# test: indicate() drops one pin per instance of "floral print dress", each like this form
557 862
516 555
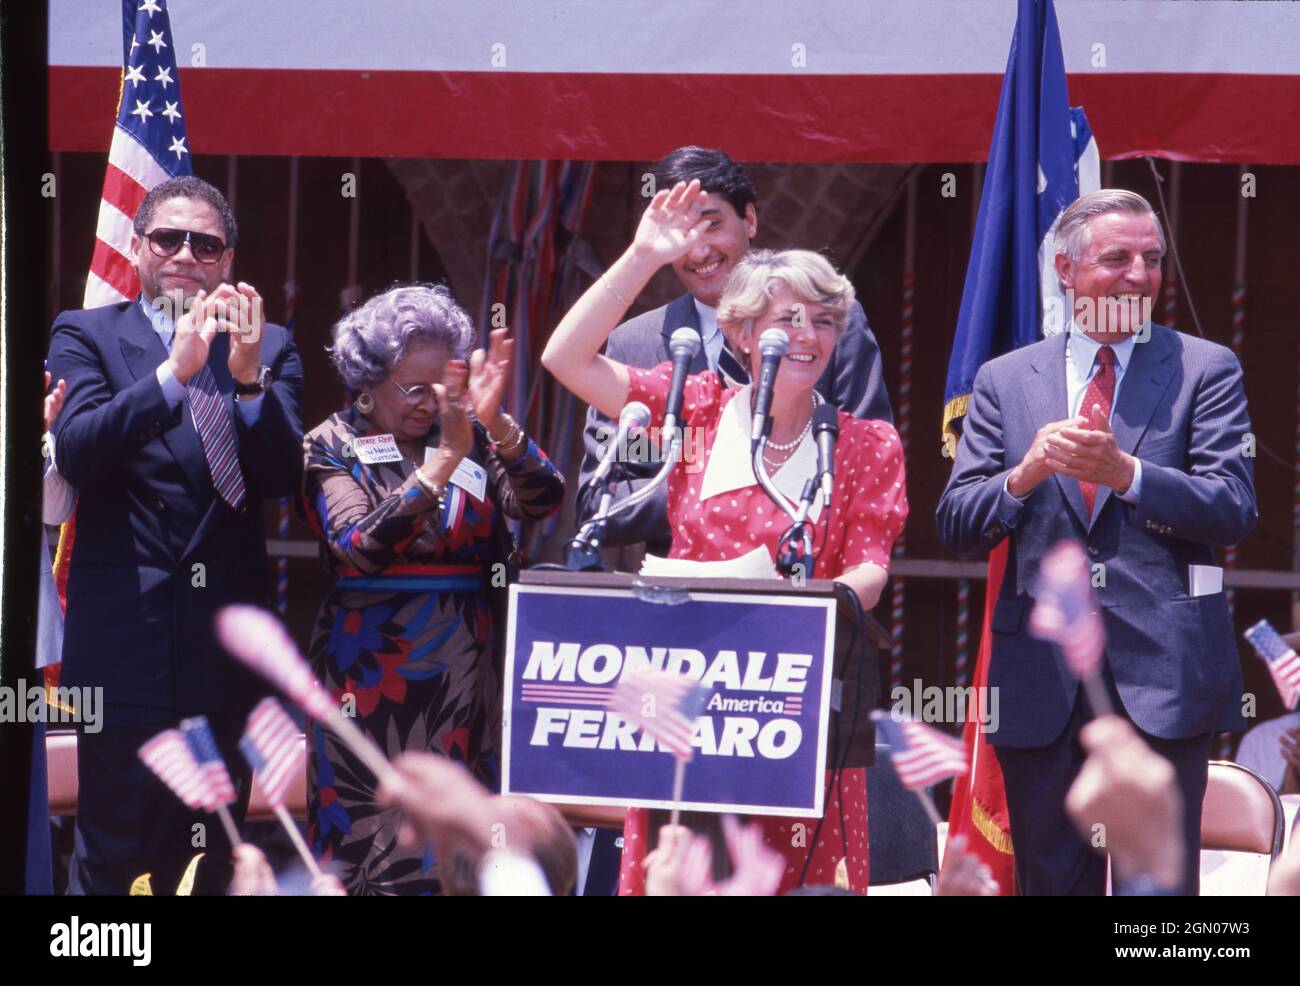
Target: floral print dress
405 640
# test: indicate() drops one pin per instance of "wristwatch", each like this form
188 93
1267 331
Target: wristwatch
258 387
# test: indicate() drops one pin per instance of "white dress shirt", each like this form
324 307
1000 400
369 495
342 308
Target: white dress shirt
709 332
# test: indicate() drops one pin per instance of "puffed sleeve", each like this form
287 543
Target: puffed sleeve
872 468
650 387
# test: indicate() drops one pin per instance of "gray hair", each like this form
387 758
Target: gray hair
370 340
754 280
1072 234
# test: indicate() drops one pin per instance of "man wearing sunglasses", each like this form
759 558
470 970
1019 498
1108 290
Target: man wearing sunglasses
182 413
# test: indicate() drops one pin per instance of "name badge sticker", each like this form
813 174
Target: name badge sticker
374 449
469 476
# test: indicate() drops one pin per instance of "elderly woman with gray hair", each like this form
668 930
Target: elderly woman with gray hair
409 490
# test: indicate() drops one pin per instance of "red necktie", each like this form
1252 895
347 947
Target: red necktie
1101 390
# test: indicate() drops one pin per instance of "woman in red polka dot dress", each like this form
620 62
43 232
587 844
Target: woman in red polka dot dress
716 509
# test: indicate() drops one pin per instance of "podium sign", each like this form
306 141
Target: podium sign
760 741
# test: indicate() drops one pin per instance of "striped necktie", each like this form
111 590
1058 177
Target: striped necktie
217 433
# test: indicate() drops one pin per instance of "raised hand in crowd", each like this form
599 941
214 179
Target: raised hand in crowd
327 885
963 874
1127 795
253 874
680 866
440 801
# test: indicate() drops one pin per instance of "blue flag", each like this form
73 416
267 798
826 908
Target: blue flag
1041 158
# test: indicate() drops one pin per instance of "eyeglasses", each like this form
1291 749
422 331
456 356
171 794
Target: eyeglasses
415 393
207 249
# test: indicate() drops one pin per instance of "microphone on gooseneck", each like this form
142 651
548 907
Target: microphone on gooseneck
826 429
682 345
634 415
772 344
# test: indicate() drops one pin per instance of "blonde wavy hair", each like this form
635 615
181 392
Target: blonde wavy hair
755 280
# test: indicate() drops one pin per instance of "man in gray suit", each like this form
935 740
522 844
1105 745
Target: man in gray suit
1134 440
853 381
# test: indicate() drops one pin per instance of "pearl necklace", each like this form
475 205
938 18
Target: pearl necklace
787 446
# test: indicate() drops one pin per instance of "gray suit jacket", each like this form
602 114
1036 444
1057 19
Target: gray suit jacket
853 381
1182 411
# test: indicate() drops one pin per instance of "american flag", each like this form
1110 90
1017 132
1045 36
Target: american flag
273 747
921 754
149 146
217 787
169 756
1281 658
662 703
260 641
1065 611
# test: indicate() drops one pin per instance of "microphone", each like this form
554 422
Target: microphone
683 345
826 429
773 344
633 416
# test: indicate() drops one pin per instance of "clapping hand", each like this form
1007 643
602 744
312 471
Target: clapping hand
488 375
672 224
457 434
1090 453
195 330
238 311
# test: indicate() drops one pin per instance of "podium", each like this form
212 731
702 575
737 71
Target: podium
844 669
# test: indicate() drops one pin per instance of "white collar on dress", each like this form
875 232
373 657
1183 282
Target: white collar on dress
730 468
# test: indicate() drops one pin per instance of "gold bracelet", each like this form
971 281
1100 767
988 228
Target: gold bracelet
431 489
515 437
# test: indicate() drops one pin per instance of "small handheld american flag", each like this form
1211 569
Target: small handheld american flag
922 755
273 747
169 757
1065 611
218 790
1283 663
260 641
662 703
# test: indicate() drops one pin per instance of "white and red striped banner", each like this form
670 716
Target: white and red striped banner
835 80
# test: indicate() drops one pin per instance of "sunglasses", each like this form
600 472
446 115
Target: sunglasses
165 242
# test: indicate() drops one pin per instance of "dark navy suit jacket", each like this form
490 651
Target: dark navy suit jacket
139 608
853 381
1181 409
